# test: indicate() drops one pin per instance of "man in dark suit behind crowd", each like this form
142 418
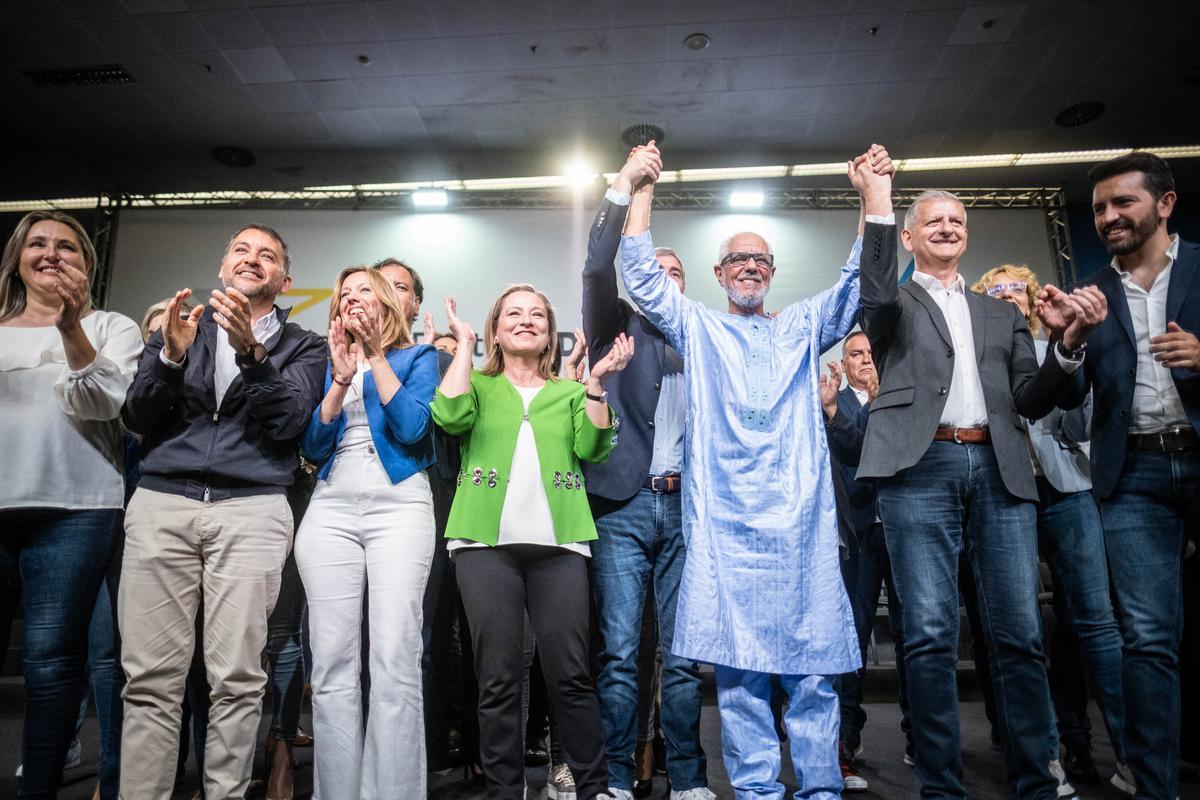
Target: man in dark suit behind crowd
945 441
1143 369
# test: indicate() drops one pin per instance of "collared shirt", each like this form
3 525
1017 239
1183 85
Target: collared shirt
861 394
1156 401
225 368
965 406
667 458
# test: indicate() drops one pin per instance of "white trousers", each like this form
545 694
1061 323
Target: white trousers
360 532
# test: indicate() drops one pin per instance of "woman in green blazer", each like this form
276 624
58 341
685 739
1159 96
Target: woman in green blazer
520 524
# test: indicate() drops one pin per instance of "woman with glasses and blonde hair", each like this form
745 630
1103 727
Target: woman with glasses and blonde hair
1071 541
369 526
64 371
520 527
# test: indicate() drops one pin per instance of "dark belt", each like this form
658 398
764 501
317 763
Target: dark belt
663 484
963 435
1172 440
194 489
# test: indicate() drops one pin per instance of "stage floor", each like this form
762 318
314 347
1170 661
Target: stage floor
881 762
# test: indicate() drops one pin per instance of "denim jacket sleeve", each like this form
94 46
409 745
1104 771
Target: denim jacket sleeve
408 414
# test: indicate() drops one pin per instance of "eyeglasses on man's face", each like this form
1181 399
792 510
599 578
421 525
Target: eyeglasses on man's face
764 260
999 289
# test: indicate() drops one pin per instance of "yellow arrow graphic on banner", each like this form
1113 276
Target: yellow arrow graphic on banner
313 296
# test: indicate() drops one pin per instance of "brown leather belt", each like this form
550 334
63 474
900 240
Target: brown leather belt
1172 440
963 435
663 484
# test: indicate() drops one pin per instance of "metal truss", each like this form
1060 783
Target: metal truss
1050 200
104 237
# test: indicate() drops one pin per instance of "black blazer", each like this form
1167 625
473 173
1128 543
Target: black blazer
1110 366
633 392
855 500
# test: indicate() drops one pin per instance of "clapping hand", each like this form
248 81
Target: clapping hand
367 331
830 384
342 352
233 314
72 287
428 334
615 360
179 332
1071 317
576 364
1177 348
459 329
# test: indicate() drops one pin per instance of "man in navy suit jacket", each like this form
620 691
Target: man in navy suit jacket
866 567
636 501
1144 372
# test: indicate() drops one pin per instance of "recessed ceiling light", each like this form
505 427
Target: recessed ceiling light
642 133
1078 114
697 41
232 156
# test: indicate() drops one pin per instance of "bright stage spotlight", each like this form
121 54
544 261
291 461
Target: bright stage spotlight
430 198
745 199
580 174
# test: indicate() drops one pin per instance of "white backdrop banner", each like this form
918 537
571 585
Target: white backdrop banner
473 255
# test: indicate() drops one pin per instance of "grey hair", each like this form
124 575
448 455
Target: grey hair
910 216
727 245
666 251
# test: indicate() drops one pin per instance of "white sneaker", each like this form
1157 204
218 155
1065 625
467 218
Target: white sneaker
561 783
1123 779
74 758
1065 789
699 793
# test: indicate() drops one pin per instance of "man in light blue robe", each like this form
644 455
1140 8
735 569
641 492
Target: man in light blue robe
762 592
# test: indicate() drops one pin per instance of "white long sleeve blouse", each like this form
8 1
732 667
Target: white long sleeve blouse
60 429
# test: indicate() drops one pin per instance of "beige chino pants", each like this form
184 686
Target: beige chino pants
177 550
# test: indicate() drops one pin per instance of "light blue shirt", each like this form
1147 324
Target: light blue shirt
667 458
762 587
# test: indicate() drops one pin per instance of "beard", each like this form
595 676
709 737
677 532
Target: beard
748 301
1139 234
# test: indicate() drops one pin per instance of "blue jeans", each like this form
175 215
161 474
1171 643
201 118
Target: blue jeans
108 679
285 653
642 540
865 574
954 499
1145 519
1071 540
62 557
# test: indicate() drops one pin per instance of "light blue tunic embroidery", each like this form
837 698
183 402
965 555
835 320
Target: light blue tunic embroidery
762 587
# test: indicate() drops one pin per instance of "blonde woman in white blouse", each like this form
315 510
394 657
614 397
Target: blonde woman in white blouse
64 370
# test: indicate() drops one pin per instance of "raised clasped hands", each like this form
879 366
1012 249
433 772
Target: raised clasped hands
643 167
615 360
232 312
1177 348
342 352
872 172
179 332
1070 318
459 329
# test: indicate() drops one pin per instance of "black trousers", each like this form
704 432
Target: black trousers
497 586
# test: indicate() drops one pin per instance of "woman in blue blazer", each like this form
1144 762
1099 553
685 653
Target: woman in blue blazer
369 526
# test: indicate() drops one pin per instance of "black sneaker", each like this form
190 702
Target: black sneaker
1077 761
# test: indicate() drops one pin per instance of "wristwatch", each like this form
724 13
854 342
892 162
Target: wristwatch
1071 355
255 355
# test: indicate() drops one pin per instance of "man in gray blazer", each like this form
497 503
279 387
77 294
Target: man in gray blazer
946 442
